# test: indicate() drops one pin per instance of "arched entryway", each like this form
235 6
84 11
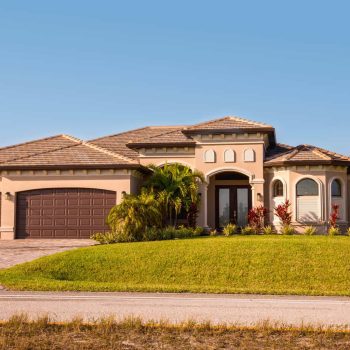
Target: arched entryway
229 199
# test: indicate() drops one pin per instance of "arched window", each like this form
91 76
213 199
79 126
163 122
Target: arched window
307 187
308 201
209 156
336 188
278 188
249 155
229 156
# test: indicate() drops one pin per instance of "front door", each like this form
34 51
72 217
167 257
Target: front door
232 205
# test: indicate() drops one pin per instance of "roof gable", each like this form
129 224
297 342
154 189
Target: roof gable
228 123
304 154
31 148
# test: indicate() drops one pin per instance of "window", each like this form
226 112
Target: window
308 201
307 187
209 156
278 188
336 188
249 155
229 156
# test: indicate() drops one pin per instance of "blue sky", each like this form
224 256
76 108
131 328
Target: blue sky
91 68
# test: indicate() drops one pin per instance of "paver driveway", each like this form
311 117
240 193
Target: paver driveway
22 250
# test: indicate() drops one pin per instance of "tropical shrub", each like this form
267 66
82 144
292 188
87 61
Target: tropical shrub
310 230
134 215
230 229
256 218
176 187
268 230
348 231
287 230
152 234
283 212
214 233
334 231
248 230
334 216
105 237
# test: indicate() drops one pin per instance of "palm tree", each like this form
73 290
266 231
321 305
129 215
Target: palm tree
135 214
176 187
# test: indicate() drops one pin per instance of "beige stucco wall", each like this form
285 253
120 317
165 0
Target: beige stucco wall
14 182
194 158
323 175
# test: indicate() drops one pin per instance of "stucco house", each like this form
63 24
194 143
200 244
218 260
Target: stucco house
63 187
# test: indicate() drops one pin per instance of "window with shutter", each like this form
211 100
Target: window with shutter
308 201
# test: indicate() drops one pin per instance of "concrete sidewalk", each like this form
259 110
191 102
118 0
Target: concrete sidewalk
240 309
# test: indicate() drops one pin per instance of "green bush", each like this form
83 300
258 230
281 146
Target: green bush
230 229
268 230
310 230
134 215
198 231
149 234
105 237
287 230
248 230
334 231
152 234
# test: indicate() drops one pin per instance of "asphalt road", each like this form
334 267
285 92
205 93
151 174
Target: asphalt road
238 309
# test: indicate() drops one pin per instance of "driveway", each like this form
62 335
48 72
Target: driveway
23 250
238 309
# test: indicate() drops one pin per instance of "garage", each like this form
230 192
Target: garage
62 212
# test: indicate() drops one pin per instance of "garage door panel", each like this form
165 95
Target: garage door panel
62 213
59 211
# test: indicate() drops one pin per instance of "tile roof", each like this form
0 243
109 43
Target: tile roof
33 147
303 154
228 123
176 137
118 142
60 151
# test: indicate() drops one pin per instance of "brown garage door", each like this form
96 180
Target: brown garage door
62 213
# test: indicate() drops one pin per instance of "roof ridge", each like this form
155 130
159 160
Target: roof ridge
120 133
103 150
319 152
138 129
248 120
40 153
330 152
32 141
166 133
231 117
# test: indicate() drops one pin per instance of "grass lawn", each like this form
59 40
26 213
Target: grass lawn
315 265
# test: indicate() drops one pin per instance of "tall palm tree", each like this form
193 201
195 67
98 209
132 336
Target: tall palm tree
176 186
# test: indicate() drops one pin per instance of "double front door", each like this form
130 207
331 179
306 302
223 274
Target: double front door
232 205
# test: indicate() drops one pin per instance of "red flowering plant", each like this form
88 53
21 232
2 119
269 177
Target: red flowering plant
334 216
282 211
256 218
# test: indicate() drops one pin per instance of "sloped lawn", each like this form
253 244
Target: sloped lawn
241 264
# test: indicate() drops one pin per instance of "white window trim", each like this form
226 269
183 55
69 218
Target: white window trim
344 192
320 197
273 218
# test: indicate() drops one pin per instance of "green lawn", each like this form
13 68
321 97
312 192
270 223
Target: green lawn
314 265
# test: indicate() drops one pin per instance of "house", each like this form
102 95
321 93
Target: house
63 187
